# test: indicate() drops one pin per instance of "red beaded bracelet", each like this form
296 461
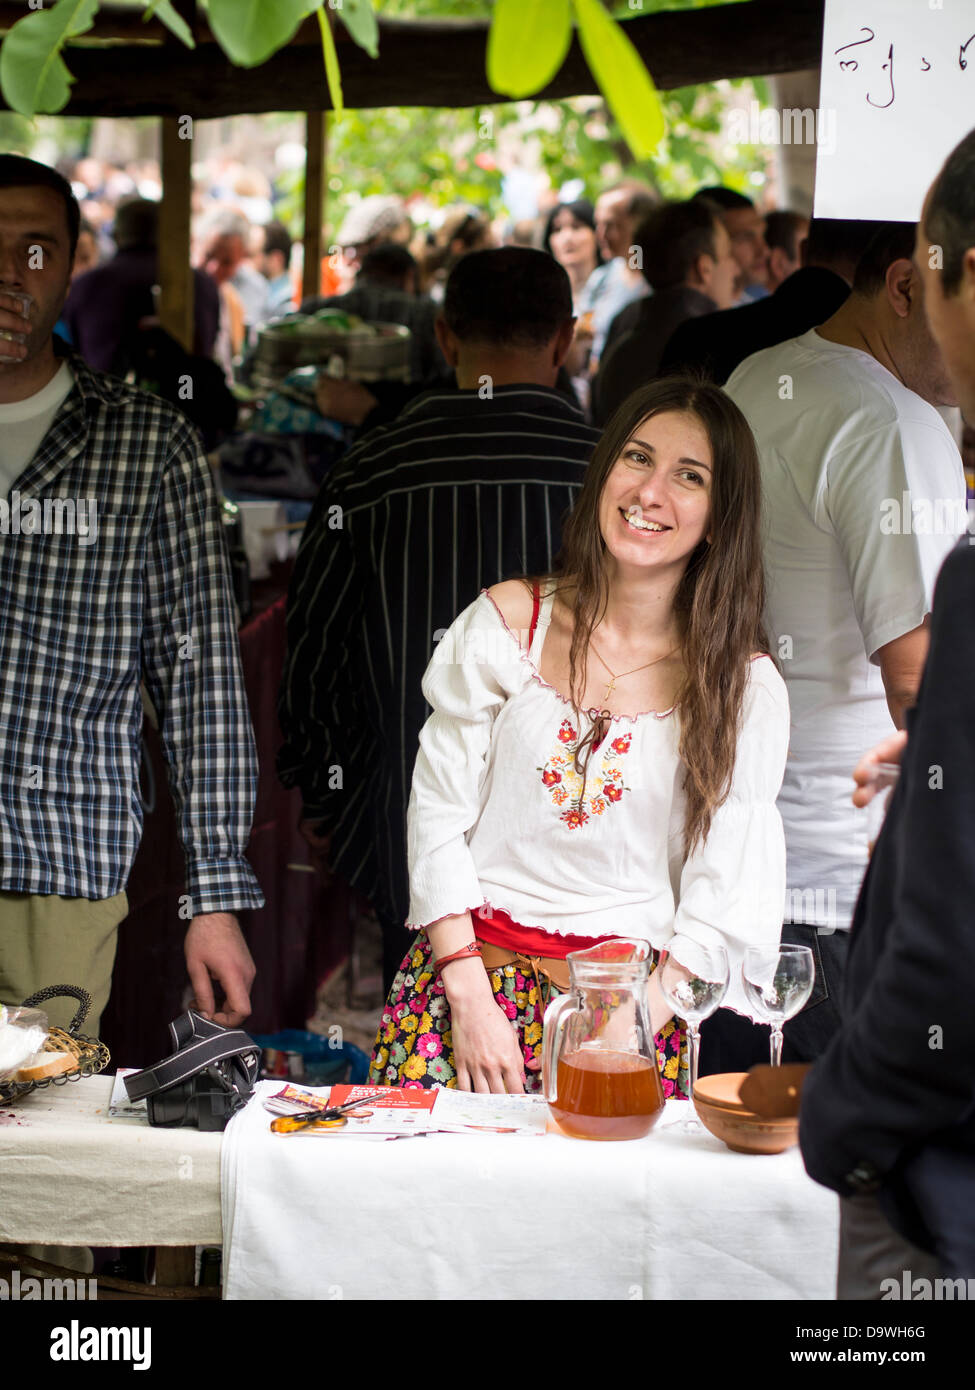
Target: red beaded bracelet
473 949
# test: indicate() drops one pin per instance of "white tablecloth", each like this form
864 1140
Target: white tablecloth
70 1175
496 1217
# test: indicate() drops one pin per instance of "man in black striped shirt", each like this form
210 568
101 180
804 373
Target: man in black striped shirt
464 489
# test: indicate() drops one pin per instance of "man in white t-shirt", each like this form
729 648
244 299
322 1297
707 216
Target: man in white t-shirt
864 496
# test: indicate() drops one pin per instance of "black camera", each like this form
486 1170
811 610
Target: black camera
208 1078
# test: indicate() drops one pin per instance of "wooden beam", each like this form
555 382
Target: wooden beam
311 275
436 64
175 274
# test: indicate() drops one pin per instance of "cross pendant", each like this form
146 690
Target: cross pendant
610 688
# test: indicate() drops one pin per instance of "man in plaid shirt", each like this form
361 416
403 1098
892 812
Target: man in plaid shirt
112 572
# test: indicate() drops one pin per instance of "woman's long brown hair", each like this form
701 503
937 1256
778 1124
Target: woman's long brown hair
719 601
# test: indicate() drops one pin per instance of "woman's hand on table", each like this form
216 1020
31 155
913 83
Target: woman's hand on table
888 750
487 1053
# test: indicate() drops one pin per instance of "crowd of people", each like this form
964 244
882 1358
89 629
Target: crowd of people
709 255
595 617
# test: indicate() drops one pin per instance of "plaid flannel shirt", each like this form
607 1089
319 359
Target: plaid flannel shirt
147 597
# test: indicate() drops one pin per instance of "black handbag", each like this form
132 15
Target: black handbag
208 1078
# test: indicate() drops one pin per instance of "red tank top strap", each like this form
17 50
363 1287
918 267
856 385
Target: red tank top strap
536 605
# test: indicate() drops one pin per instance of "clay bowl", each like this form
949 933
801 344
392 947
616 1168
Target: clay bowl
723 1115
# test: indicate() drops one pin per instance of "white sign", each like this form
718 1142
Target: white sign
898 90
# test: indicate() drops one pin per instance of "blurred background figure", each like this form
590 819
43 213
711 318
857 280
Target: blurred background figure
250 191
107 304
374 220
746 228
570 236
88 252
688 262
525 232
716 343
784 234
270 247
224 237
462 230
619 280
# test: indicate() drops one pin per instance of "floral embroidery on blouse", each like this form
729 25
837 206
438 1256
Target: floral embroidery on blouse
604 785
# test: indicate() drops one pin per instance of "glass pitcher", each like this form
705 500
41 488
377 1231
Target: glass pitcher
599 1060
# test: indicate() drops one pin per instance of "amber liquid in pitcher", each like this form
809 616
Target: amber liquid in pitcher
607 1095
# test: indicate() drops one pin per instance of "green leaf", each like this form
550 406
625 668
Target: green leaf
359 18
163 11
332 75
33 75
622 77
527 44
249 31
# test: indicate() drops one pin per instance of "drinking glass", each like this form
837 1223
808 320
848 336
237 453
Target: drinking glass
778 985
693 998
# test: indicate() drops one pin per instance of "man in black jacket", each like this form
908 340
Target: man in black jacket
717 343
688 263
888 1111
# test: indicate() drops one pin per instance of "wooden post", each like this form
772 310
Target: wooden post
311 275
175 275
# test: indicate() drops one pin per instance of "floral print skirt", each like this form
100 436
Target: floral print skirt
413 1045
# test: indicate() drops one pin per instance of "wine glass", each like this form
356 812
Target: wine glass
693 998
778 985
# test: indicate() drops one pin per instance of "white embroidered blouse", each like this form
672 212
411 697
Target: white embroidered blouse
499 815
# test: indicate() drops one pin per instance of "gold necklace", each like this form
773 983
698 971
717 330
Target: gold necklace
612 685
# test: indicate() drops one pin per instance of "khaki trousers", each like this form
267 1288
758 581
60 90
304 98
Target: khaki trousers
47 940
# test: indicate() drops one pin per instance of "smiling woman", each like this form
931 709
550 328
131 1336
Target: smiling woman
680 455
603 758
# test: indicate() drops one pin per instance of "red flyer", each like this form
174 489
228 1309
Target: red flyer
386 1097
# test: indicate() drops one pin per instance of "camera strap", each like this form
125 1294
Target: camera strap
199 1043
